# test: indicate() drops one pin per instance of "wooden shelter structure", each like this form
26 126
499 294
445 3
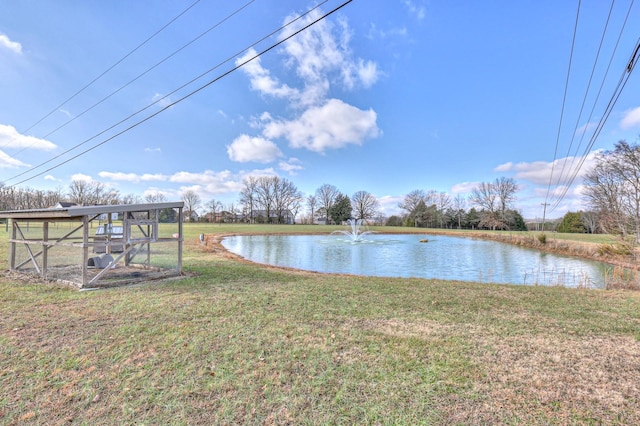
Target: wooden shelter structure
97 246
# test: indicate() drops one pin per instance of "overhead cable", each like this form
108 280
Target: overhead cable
118 62
161 99
226 73
564 100
145 72
614 98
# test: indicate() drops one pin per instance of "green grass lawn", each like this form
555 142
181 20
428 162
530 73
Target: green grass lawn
238 343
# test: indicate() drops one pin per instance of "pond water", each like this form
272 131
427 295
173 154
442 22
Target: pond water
442 257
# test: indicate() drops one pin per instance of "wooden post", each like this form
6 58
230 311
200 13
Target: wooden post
45 247
85 250
180 238
12 245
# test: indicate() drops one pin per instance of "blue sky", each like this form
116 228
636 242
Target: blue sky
381 96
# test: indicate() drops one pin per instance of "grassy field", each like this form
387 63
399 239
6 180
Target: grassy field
238 343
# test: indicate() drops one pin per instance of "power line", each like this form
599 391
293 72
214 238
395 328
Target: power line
564 100
238 66
145 72
604 79
157 101
635 56
586 93
112 66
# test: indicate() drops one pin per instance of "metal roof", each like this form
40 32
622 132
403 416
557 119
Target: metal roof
81 211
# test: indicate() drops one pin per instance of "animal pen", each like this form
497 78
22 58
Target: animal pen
97 246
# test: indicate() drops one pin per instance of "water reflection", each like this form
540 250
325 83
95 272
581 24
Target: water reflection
443 257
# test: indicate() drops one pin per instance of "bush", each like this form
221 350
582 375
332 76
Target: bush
542 238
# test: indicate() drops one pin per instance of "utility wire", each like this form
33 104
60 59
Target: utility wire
226 73
112 66
586 93
635 57
162 98
604 79
564 100
157 101
145 72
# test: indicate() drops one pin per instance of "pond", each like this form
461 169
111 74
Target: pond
441 257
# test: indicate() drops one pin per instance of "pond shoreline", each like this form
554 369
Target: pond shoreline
578 249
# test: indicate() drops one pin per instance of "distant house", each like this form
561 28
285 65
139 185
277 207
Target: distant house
222 217
260 216
320 220
193 216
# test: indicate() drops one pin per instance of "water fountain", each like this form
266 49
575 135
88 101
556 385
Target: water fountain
355 234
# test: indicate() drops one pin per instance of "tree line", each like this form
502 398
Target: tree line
611 191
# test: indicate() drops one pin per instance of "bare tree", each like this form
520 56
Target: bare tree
459 206
505 189
590 221
248 197
156 197
484 197
612 188
89 193
288 199
365 205
495 200
266 192
326 196
443 202
213 206
311 205
191 202
412 200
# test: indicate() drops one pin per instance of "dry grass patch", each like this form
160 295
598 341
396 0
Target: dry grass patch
565 380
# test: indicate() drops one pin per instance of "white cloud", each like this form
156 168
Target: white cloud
332 125
388 205
321 51
8 162
292 166
132 177
320 56
415 9
246 148
539 172
51 178
13 46
82 177
149 149
162 100
11 138
631 119
261 79
209 182
368 72
464 187
375 32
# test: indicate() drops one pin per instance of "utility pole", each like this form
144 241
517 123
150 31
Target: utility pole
544 213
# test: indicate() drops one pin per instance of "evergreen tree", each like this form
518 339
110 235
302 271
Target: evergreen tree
572 222
517 221
341 209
